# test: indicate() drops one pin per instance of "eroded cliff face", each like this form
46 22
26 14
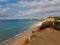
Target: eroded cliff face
48 35
49 19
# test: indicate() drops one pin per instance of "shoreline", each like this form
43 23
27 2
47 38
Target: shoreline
25 34
17 34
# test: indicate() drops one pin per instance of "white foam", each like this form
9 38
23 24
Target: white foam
32 26
39 23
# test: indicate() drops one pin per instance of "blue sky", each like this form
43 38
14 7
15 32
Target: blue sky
17 9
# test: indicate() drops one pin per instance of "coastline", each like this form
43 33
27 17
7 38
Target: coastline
20 38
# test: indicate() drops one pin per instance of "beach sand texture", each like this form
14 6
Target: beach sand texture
47 37
34 37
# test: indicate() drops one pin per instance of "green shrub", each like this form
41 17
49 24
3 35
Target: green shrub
56 25
46 25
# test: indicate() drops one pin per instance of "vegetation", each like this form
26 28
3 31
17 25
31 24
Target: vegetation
46 25
57 25
57 18
54 25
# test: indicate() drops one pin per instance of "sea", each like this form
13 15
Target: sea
11 28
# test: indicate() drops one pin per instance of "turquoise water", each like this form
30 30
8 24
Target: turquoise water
10 28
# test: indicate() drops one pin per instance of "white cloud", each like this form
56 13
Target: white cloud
3 10
36 7
36 3
50 9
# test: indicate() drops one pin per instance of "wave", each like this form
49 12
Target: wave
31 27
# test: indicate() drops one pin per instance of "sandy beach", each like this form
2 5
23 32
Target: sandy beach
34 36
19 40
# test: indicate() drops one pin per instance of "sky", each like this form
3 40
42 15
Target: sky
17 9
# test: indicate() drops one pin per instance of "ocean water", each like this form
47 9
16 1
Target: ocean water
10 28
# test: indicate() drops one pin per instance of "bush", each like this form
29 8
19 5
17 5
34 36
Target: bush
46 25
57 25
54 25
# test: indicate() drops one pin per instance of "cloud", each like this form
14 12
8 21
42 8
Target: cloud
3 10
36 3
41 7
40 10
